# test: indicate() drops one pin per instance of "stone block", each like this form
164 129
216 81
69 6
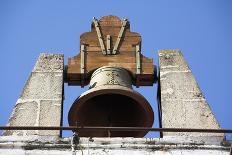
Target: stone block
49 63
182 104
41 101
49 110
48 85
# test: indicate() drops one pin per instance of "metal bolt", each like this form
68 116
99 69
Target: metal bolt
167 56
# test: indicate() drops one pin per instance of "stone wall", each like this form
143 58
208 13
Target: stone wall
41 101
182 104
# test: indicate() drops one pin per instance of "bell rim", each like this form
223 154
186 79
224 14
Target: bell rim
140 99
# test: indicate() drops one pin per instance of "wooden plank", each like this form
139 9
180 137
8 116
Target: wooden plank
125 65
131 68
110 32
126 57
126 40
144 65
143 80
125 47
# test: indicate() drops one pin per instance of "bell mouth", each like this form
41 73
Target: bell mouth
116 106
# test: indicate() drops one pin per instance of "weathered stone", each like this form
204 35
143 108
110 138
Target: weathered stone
181 100
45 145
49 110
22 110
40 103
43 85
49 63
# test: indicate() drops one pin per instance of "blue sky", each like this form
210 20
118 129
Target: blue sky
201 29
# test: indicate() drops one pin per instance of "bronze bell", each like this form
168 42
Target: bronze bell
111 102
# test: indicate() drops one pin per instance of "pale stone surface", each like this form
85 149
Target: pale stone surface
40 103
114 146
182 103
49 63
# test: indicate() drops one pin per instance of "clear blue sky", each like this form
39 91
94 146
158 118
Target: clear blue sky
202 29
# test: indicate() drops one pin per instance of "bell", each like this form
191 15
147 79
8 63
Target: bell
111 102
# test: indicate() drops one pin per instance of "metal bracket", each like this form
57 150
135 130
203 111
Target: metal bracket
108 41
121 32
108 44
138 58
83 50
75 140
99 35
231 149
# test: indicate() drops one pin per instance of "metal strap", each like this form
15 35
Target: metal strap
231 149
82 65
108 44
138 61
122 30
99 35
99 128
75 140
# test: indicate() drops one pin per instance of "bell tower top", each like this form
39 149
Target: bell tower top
110 43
